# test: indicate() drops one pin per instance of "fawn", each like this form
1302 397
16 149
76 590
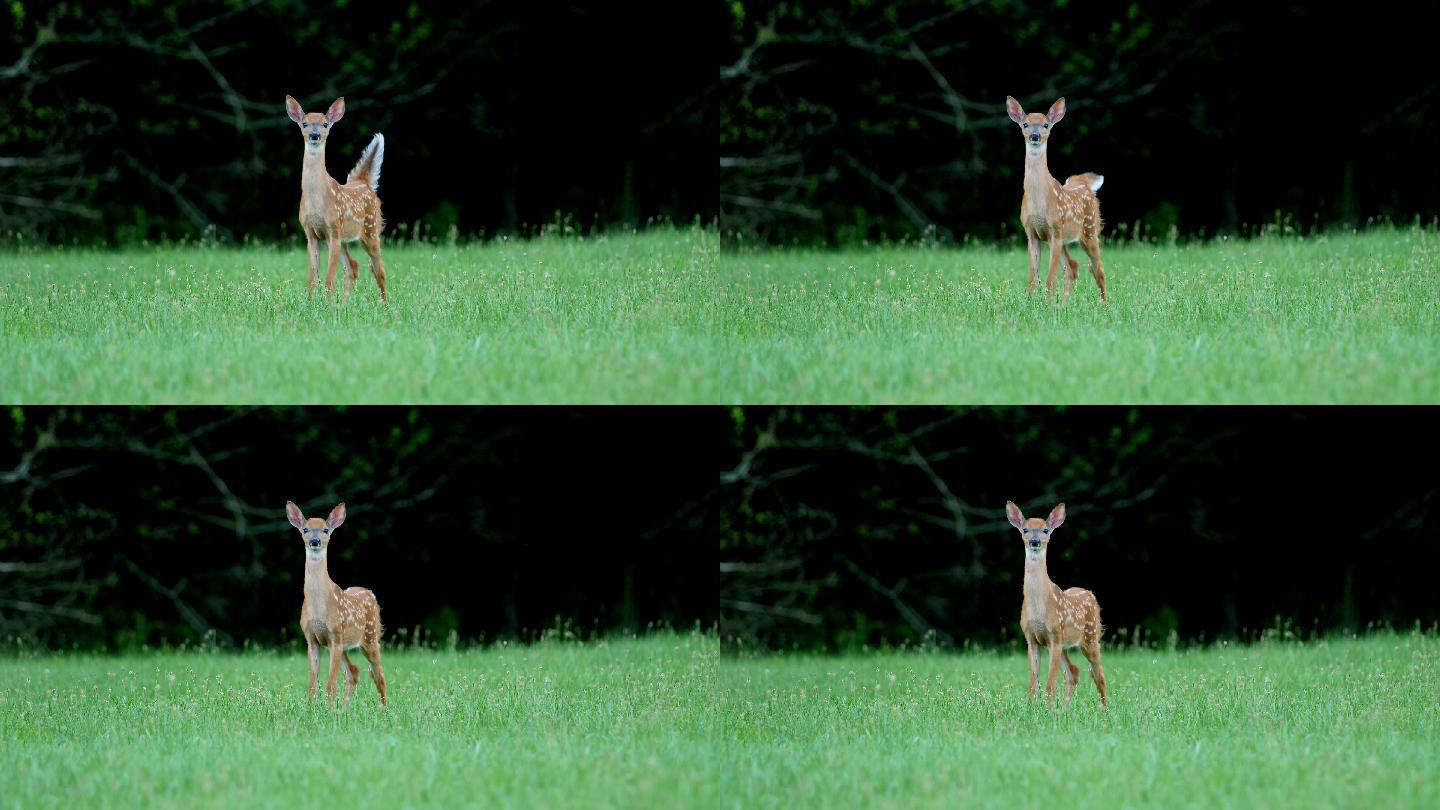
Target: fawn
335 213
1059 620
1054 213
330 617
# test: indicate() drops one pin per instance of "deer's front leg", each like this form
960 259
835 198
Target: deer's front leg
1055 247
312 250
330 270
1032 246
313 651
337 651
1034 652
1049 682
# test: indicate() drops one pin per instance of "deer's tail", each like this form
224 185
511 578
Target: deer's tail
367 169
1090 179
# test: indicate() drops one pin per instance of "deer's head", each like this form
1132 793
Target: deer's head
314 532
1034 532
315 127
1034 126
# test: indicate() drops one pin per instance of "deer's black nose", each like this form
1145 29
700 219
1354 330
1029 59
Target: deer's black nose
1035 136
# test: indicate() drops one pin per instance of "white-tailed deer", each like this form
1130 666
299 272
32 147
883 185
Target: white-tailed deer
1053 213
330 617
1056 619
333 213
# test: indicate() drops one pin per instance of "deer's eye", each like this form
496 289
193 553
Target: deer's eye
1047 126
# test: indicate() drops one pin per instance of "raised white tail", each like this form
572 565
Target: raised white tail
367 168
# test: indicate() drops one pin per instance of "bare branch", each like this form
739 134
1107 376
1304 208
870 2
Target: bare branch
52 610
38 568
771 610
773 205
910 209
910 614
188 208
190 614
52 205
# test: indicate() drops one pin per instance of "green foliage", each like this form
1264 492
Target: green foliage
842 123
135 121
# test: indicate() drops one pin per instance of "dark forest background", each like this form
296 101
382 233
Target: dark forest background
128 526
844 527
844 120
149 118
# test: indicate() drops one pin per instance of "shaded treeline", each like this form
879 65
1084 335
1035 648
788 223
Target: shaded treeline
843 121
121 527
845 527
140 119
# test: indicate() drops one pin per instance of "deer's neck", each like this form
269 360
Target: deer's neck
1038 587
319 588
1039 185
314 179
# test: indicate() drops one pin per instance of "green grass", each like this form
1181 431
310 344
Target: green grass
1351 723
1321 319
619 724
666 316
613 318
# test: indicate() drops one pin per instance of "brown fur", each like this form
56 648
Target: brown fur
1052 618
1056 214
334 213
330 617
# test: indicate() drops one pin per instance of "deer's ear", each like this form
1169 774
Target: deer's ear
1013 107
293 512
1057 111
336 111
1057 516
337 516
1013 513
292 108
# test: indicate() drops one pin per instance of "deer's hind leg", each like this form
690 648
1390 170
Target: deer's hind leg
352 675
1091 244
371 243
1072 674
1072 269
371 650
354 269
1091 651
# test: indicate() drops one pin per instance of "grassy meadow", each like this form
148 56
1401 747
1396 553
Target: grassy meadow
1345 723
615 318
1319 319
667 316
619 724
